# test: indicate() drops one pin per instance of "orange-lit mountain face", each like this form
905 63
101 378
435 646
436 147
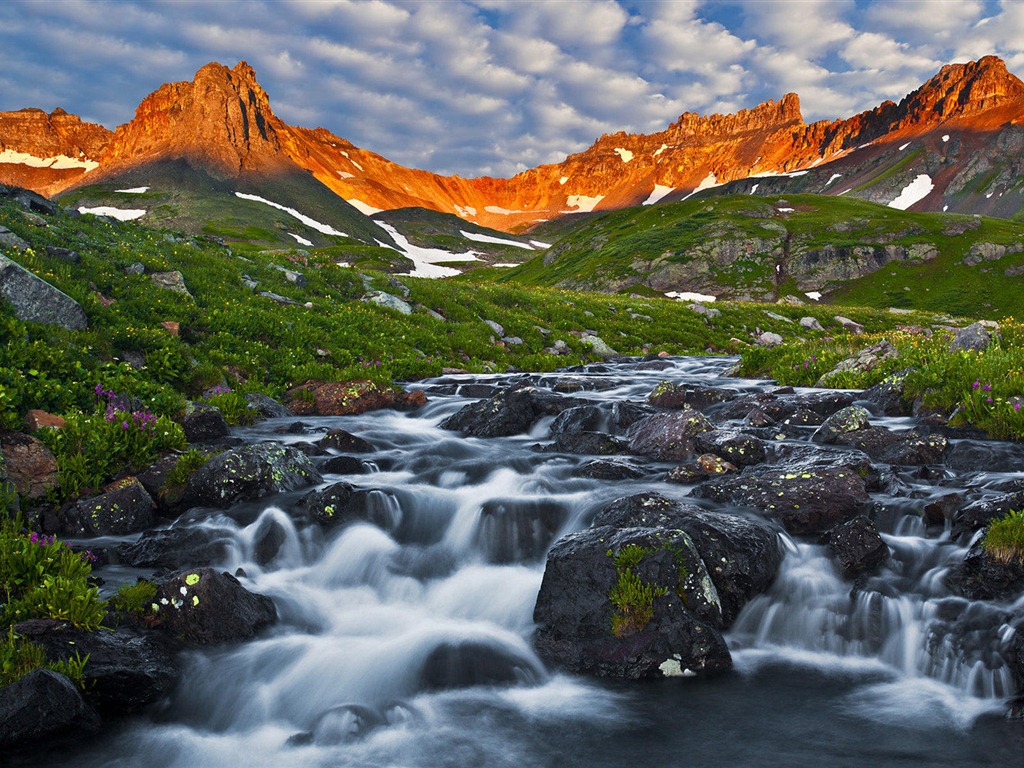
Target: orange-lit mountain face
963 130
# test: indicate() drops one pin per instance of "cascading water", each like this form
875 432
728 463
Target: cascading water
405 641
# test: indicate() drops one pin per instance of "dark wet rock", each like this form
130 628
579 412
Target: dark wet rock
587 444
154 480
733 446
979 514
669 436
341 504
470 663
983 456
28 464
983 575
706 465
126 509
249 473
593 418
204 606
295 428
806 501
42 706
509 412
36 301
973 338
127 669
757 418
342 724
313 450
518 530
823 403
783 403
345 442
267 407
856 546
268 540
203 423
174 548
344 465
677 396
942 508
888 398
679 635
850 419
610 469
742 555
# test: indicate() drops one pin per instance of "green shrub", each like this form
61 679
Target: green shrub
631 598
135 599
1004 539
18 657
232 405
188 462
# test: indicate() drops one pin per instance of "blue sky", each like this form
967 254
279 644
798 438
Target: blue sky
496 86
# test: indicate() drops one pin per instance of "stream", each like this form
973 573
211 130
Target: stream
374 661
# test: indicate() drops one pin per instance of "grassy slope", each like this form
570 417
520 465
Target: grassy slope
612 247
230 335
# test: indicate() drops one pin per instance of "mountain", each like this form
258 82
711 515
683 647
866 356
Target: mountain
953 144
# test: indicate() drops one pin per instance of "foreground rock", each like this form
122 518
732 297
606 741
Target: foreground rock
249 473
856 546
808 500
674 631
347 398
43 705
669 436
36 301
984 575
126 509
509 412
204 606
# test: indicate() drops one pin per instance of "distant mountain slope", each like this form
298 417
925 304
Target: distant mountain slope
956 143
763 249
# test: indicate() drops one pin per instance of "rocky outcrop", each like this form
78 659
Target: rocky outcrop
128 508
29 465
206 607
509 412
43 705
347 398
36 301
248 473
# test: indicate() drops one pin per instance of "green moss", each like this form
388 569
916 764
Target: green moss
1004 539
135 599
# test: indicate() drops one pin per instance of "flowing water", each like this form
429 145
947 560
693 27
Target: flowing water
407 643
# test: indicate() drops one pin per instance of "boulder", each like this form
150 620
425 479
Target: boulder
811 324
340 504
36 419
656 614
510 412
205 607
805 501
615 418
30 466
10 241
610 469
291 275
979 514
170 281
343 441
856 546
866 360
742 555
850 419
203 423
126 509
36 301
388 301
267 407
42 706
732 445
669 436
499 330
127 669
904 448
848 324
587 444
973 338
675 396
174 548
768 339
706 465
344 465
598 345
248 473
349 398
983 575
887 398
470 663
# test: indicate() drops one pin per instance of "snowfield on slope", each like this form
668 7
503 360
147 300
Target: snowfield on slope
325 229
425 260
495 240
914 192
121 214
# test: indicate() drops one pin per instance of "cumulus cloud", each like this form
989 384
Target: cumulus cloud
495 86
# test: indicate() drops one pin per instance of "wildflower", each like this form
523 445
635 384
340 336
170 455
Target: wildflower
987 387
124 425
976 384
1016 406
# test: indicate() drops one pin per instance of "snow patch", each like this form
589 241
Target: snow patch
490 239
753 189
504 264
133 190
465 212
709 181
57 162
834 177
813 295
785 210
362 207
989 195
583 203
690 296
346 175
540 244
563 180
301 240
794 174
121 214
845 191
625 154
945 138
425 260
357 165
915 191
325 229
501 211
904 146
660 149
945 208
660 190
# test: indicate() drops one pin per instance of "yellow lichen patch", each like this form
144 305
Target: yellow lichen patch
192 579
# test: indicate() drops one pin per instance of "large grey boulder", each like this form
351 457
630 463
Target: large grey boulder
36 301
